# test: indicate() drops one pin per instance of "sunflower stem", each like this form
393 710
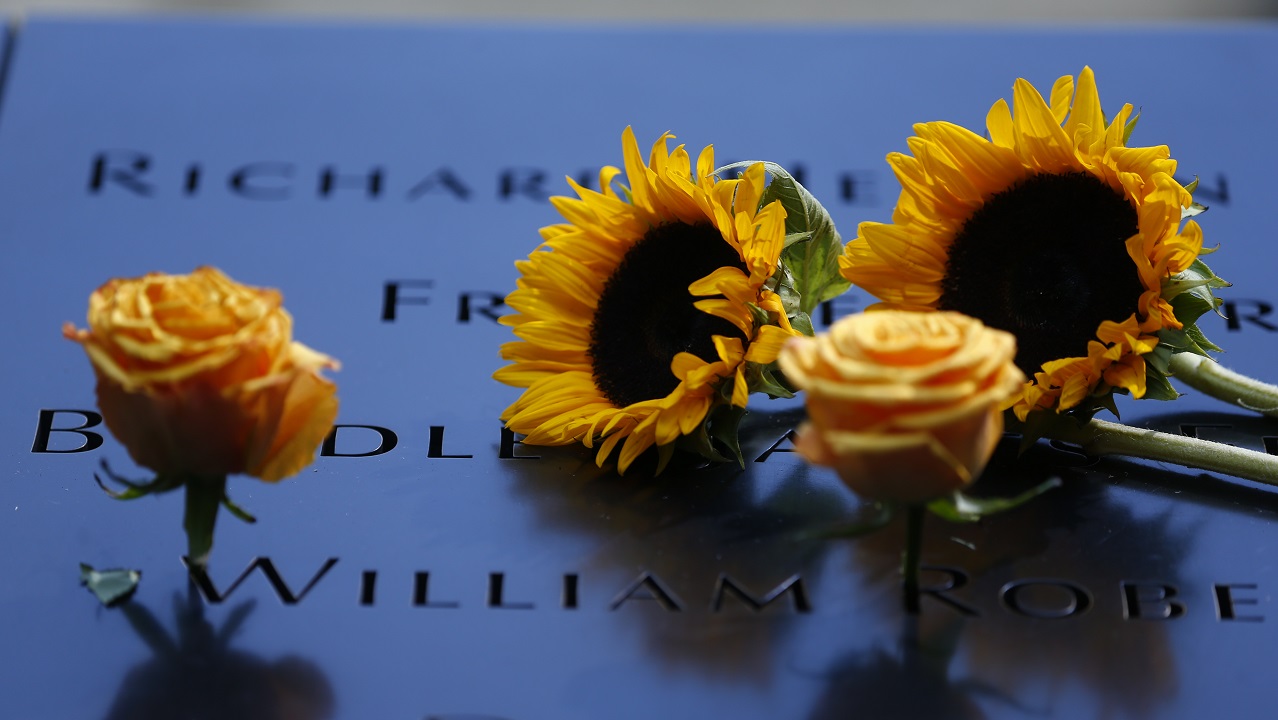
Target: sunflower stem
910 562
1210 377
1098 437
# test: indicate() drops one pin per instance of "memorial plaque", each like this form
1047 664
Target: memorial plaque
427 565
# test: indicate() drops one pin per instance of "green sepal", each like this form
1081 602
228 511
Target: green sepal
1198 280
1105 401
959 507
1039 423
1130 127
813 260
1156 385
716 433
1190 295
723 426
1201 340
110 586
237 511
1191 187
767 379
664 453
697 442
137 488
1032 428
803 324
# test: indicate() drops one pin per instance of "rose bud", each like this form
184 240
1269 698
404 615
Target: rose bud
905 406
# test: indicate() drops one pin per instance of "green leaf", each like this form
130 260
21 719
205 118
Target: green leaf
883 514
793 238
963 508
814 261
110 586
1191 187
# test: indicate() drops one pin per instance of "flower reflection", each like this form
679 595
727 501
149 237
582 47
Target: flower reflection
1090 534
914 682
198 675
688 528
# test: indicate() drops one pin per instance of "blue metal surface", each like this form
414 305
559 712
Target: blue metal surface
458 121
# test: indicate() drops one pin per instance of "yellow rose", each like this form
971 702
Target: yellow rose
904 406
199 375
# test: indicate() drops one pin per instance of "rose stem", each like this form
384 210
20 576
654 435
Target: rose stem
203 498
910 564
1210 377
1098 437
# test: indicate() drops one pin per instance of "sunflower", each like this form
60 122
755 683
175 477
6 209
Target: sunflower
1056 231
650 311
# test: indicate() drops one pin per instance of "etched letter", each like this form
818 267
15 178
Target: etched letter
199 575
1151 601
466 305
441 178
44 428
435 447
776 446
391 299
833 309
855 188
421 593
192 179
496 594
1234 321
792 585
653 589
367 587
955 579
1225 602
528 182
127 174
330 180
569 598
1189 430
507 449
1076 599
386 443
244 181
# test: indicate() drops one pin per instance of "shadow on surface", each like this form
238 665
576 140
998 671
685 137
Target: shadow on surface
196 674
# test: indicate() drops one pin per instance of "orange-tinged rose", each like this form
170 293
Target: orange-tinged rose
905 406
199 375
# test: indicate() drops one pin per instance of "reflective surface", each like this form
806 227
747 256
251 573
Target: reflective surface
457 575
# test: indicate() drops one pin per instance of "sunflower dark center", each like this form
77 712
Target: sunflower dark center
646 316
1045 260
